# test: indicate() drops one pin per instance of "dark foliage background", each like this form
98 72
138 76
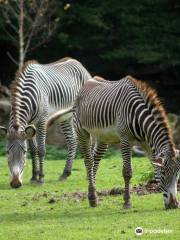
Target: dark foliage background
114 38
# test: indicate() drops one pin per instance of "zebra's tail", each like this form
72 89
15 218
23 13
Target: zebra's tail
59 115
138 151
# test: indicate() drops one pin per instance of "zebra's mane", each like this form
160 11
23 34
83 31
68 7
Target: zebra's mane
18 72
14 92
154 104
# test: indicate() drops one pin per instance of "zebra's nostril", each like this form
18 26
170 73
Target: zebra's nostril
16 185
165 195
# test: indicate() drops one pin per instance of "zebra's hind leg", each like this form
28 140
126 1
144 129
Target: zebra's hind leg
33 151
127 171
85 145
98 152
41 138
71 140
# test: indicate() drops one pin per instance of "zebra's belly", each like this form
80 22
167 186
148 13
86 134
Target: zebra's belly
106 135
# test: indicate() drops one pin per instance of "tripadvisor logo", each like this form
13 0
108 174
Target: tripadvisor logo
139 231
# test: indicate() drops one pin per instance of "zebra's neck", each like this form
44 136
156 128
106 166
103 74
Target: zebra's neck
150 122
160 139
151 128
24 99
20 117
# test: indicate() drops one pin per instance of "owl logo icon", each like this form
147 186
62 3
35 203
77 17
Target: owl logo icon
138 231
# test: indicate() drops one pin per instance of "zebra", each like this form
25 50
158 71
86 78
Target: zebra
38 93
98 153
127 112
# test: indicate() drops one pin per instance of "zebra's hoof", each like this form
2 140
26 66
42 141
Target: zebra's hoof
34 180
93 200
64 176
93 203
127 205
41 181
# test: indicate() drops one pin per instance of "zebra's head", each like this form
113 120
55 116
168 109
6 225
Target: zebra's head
170 169
16 151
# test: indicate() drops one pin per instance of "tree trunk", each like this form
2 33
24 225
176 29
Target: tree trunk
21 34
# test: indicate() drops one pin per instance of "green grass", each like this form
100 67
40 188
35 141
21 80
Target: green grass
27 213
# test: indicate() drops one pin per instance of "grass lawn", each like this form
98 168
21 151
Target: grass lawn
46 212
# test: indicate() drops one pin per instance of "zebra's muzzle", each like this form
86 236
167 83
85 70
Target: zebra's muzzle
15 183
173 203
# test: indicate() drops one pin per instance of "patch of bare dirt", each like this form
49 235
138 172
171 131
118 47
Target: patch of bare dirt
142 189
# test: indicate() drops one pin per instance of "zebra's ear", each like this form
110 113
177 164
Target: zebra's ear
3 131
159 162
30 131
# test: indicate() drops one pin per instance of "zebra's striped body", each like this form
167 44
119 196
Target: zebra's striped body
125 112
39 91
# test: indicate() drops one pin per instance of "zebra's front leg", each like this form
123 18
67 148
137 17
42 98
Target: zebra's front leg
85 145
71 141
41 139
34 151
127 171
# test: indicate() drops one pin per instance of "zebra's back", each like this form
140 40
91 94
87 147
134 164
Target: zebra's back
52 86
99 103
60 81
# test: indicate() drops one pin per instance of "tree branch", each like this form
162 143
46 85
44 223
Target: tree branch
13 11
12 59
13 27
30 24
33 27
11 36
38 45
21 34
